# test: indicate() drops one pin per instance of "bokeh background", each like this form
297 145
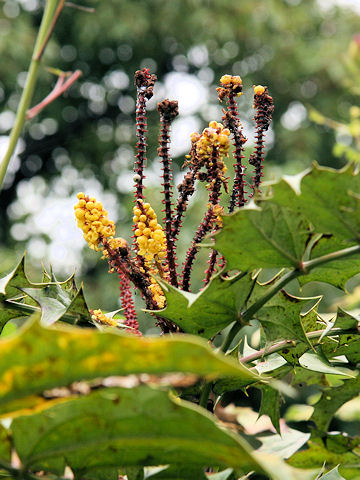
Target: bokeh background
305 51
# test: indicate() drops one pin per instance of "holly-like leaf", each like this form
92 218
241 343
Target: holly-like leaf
332 475
206 313
47 358
318 362
55 302
270 405
281 316
329 199
317 454
117 426
331 400
284 445
17 278
263 238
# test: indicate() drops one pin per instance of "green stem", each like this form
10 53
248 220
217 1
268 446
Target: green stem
205 395
306 267
277 347
29 87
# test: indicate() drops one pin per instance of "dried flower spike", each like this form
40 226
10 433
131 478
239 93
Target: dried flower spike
263 103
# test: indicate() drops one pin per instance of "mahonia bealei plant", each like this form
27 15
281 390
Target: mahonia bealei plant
153 252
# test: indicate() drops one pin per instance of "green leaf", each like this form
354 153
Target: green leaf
329 199
317 454
16 278
331 400
5 445
206 313
332 474
117 426
7 314
281 316
336 272
47 358
317 362
268 237
284 445
55 301
270 405
180 472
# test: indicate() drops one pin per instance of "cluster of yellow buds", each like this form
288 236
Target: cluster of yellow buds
99 317
230 85
233 80
149 234
93 220
215 136
258 89
218 211
157 293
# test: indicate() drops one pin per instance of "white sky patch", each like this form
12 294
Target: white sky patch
188 90
294 116
181 129
328 4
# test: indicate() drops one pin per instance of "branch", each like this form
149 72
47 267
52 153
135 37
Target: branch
306 267
29 86
292 343
60 87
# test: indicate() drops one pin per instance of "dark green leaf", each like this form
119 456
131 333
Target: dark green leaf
329 199
263 238
212 309
270 405
138 426
331 400
5 445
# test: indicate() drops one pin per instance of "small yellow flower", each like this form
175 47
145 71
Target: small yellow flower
258 89
93 221
99 317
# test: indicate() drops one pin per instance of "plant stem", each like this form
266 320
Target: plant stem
29 86
306 267
205 394
264 352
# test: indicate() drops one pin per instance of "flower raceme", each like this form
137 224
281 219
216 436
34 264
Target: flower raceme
153 252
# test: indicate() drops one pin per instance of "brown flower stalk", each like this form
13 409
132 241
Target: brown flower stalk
168 110
263 103
144 82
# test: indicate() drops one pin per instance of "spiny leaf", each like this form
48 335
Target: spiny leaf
268 237
317 454
138 426
280 316
212 309
284 445
47 358
329 199
270 405
331 400
17 278
318 362
332 475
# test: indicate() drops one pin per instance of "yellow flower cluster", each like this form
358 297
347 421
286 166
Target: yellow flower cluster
258 89
99 317
149 234
213 136
231 80
218 211
157 293
93 220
